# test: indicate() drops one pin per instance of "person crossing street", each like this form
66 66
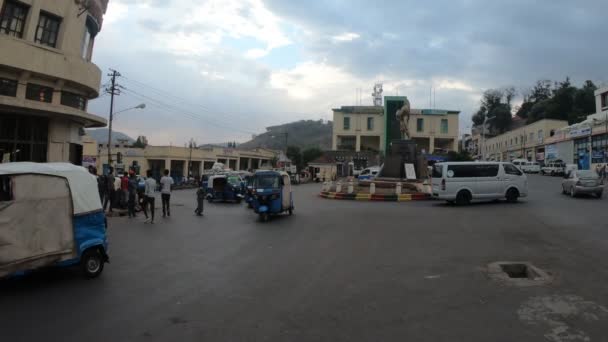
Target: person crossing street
166 183
149 198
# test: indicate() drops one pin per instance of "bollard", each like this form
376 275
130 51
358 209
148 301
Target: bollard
372 188
339 186
398 188
350 186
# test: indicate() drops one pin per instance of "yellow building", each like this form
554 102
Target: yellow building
526 142
363 128
358 128
47 77
175 158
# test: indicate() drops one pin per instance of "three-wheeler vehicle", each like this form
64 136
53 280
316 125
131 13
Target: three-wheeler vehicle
272 194
50 215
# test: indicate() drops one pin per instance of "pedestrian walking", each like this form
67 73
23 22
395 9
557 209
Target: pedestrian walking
166 183
200 200
109 191
149 200
132 193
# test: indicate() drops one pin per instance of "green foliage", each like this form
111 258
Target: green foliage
294 154
139 143
496 105
560 101
310 154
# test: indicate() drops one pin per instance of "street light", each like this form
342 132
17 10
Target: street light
139 106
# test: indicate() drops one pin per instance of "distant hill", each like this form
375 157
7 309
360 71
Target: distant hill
303 134
101 136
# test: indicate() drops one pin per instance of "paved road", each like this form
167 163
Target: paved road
335 271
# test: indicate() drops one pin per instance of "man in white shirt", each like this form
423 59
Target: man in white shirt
165 192
150 187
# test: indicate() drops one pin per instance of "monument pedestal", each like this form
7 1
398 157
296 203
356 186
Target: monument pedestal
398 154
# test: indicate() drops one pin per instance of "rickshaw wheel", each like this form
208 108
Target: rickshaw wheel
91 263
264 217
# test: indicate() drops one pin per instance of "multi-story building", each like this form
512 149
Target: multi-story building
358 128
47 77
363 128
524 142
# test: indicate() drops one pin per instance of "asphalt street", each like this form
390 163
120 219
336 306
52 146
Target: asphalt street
334 271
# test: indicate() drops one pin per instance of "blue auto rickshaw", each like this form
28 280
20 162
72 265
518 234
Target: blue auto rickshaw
50 215
272 194
225 188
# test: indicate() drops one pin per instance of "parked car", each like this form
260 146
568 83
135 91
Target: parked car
553 169
462 182
531 167
369 173
519 163
582 182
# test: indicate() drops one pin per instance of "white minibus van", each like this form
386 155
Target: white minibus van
462 182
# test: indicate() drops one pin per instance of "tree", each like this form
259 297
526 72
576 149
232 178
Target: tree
294 154
495 104
311 154
141 142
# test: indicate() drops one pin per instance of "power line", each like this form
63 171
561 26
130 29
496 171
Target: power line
181 111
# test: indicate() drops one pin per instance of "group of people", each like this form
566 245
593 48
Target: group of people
124 191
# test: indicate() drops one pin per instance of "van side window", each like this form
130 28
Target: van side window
6 191
512 170
462 171
487 170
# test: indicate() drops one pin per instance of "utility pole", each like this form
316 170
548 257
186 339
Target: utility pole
190 158
113 91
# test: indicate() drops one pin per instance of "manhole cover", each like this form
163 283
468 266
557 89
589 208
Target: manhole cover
518 273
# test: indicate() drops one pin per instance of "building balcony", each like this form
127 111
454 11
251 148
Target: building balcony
51 63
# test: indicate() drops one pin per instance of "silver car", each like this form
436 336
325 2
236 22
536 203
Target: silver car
582 182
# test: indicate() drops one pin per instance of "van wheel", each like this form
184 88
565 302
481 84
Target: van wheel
512 195
552 173
91 263
463 197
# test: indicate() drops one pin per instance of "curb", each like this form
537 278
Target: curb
375 197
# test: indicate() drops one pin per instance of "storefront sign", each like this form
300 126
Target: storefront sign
551 152
580 132
89 161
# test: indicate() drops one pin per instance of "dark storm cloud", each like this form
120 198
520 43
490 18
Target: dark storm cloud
487 43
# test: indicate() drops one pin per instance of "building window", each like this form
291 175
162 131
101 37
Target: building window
444 126
24 138
73 100
370 124
604 99
8 87
346 123
90 32
40 93
540 136
48 29
12 18
419 125
516 141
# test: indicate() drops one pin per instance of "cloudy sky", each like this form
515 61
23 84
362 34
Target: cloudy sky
221 70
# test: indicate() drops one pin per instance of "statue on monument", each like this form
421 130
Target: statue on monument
403 115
